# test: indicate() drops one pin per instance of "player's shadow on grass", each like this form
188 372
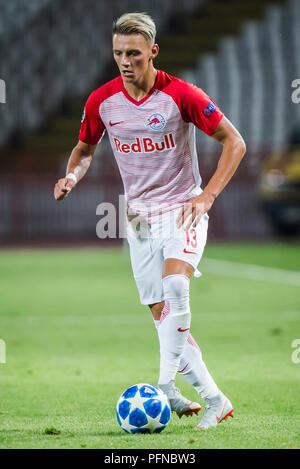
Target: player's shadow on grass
118 433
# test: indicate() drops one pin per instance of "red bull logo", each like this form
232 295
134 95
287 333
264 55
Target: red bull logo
156 121
145 145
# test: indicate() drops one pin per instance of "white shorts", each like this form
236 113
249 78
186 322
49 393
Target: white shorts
155 243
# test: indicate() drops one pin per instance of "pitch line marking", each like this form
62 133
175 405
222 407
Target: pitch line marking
250 271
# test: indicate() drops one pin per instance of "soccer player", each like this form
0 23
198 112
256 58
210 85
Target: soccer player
150 118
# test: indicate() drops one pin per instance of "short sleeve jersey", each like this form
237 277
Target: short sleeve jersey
153 140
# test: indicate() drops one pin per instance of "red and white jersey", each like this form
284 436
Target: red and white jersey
153 140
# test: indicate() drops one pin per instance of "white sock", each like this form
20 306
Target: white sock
194 371
192 367
174 327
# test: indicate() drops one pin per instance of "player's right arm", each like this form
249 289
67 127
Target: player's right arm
78 164
91 131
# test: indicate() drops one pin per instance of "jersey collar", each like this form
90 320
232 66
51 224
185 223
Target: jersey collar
138 103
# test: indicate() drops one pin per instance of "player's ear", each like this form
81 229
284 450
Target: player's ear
154 51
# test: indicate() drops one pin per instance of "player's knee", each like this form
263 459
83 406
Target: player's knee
176 291
176 286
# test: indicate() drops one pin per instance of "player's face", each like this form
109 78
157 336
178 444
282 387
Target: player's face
134 56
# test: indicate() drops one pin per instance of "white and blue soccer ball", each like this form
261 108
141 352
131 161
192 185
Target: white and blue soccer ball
143 408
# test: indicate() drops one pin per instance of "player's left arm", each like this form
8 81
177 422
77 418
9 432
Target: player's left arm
233 151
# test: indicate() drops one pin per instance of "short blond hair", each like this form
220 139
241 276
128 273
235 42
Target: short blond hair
136 23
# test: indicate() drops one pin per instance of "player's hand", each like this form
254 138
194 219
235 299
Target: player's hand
63 188
194 209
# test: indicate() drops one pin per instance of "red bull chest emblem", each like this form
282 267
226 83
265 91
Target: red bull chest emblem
156 121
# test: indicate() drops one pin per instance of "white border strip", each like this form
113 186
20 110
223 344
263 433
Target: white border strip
250 271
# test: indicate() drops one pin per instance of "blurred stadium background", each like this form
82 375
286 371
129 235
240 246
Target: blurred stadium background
246 55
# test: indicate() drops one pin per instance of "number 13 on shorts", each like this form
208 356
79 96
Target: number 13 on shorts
191 238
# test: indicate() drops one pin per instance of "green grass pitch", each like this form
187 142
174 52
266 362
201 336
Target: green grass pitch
76 337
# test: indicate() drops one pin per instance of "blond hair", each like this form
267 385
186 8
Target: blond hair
136 23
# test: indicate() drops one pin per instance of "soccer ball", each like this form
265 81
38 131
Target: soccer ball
143 408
